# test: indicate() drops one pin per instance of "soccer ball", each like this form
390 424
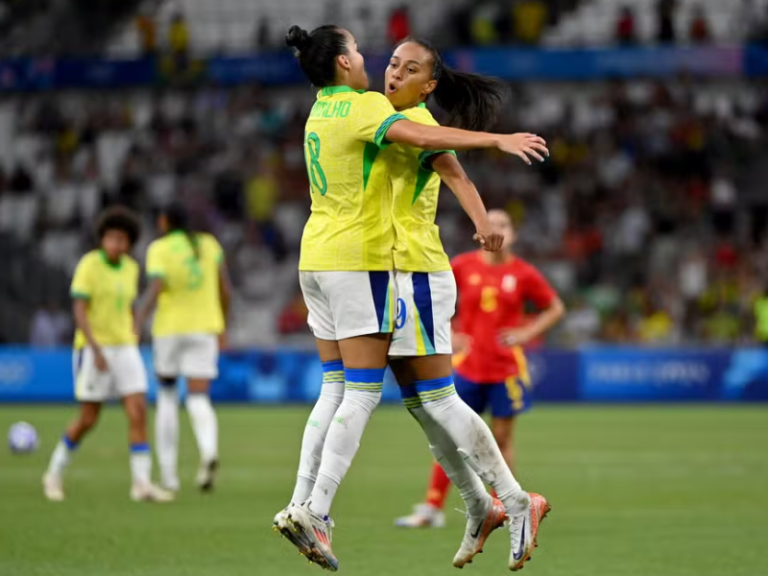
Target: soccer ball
22 438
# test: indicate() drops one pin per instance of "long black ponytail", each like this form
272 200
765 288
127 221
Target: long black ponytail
178 221
472 101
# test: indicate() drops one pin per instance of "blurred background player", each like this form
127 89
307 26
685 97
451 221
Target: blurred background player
107 362
190 284
490 329
420 354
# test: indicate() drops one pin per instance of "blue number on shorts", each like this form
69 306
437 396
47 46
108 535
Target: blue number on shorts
401 314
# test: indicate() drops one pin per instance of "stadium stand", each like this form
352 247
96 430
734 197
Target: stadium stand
652 191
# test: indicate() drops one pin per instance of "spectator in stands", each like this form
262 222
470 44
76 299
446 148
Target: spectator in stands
581 324
21 182
723 326
656 327
665 21
746 20
461 22
51 327
146 29
178 41
3 181
760 310
625 27
530 18
262 192
293 318
399 24
262 38
484 29
698 31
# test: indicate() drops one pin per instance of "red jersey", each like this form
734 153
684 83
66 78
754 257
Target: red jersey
492 298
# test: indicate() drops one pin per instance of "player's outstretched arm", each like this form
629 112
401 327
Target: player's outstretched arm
452 173
442 138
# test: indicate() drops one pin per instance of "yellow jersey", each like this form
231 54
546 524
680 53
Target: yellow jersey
415 188
110 290
190 301
350 228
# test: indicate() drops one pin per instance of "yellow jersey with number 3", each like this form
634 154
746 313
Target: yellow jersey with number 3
190 302
350 228
415 189
109 290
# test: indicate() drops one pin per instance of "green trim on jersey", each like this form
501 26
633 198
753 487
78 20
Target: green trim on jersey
114 265
422 178
425 158
79 296
381 133
369 157
331 90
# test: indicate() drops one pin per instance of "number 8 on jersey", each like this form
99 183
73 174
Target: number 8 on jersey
316 174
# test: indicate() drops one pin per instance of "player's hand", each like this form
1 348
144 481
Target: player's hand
223 341
491 242
524 145
461 343
137 329
515 336
99 360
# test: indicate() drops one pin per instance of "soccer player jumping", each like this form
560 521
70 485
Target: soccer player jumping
346 273
490 366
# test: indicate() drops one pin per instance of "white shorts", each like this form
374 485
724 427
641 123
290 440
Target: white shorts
188 355
425 305
348 304
125 375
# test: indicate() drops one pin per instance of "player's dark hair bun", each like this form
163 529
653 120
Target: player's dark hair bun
298 38
317 51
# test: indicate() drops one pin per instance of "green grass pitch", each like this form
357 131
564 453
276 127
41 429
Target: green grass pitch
661 491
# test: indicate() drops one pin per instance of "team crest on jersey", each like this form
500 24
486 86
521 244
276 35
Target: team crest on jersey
509 283
475 279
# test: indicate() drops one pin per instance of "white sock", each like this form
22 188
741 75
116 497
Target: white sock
205 425
331 395
361 396
167 435
141 463
473 438
472 490
61 456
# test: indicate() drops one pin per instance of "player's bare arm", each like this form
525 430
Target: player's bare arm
452 173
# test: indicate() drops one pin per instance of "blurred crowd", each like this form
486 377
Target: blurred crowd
492 23
650 217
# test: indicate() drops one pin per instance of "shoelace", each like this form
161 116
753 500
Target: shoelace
466 515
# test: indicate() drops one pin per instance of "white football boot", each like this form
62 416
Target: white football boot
150 493
524 529
53 488
477 532
315 530
206 475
